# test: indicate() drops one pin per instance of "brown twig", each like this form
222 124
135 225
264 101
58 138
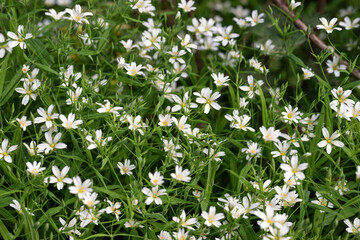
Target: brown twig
313 38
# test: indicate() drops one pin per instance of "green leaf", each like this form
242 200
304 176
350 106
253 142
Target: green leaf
3 73
7 93
297 60
5 232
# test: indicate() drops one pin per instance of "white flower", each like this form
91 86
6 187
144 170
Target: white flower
4 46
267 47
353 228
128 45
212 218
121 62
283 148
186 223
294 5
165 120
328 26
136 124
98 141
156 178
252 85
176 55
5 151
56 16
322 201
131 223
206 98
77 16
164 235
181 124
307 73
187 6
220 79
185 42
70 122
329 141
29 91
133 69
269 218
80 188
32 149
59 177
34 168
341 187
90 199
113 208
108 108
153 195
51 144
23 122
342 99
348 25
255 18
18 39
225 35
357 173
126 167
334 67
270 134
252 150
291 115
184 103
16 205
181 175
69 226
46 116
295 169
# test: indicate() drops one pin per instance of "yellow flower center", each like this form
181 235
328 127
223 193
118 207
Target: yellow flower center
81 189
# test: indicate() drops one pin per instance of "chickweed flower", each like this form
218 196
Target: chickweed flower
184 222
16 205
187 6
205 97
23 122
126 167
133 69
348 24
34 168
181 175
294 169
252 85
80 188
270 134
77 16
328 26
18 39
353 227
70 122
212 218
56 16
291 115
220 79
334 67
153 195
59 177
255 18
330 140
46 116
5 150
51 143
108 108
